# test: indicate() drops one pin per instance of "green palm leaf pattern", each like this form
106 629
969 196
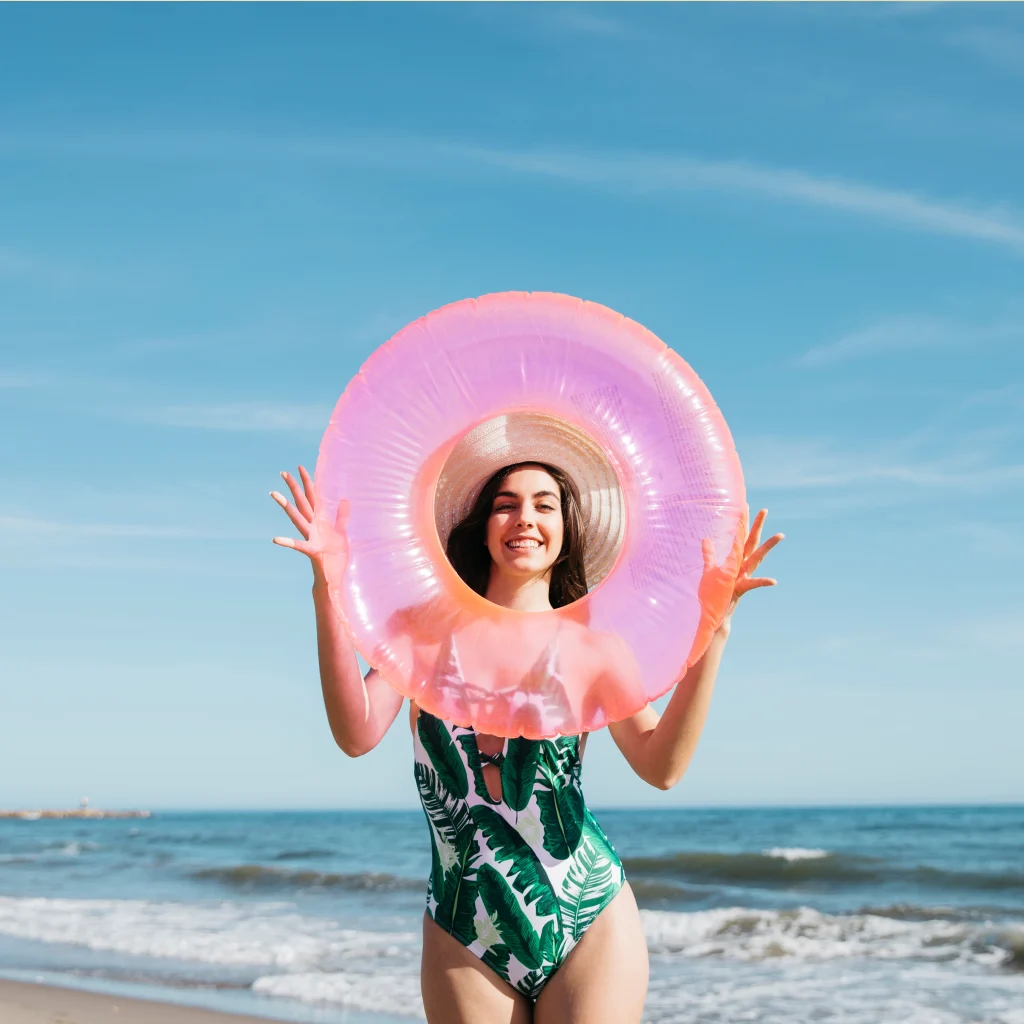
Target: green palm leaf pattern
562 813
527 873
443 755
519 772
456 893
552 943
530 984
449 815
586 886
562 756
436 886
460 909
552 951
514 927
497 958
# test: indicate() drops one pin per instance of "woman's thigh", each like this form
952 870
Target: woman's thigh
460 989
604 979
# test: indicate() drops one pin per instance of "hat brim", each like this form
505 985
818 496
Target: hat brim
527 437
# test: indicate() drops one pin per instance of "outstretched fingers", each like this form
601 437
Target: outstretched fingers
302 503
752 561
299 545
754 535
307 486
752 583
300 522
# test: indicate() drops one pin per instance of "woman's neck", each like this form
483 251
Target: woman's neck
521 595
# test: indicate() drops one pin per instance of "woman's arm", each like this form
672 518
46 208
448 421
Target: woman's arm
359 710
659 748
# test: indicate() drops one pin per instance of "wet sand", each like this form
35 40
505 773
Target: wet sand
23 1003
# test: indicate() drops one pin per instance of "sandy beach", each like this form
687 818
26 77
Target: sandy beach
23 1003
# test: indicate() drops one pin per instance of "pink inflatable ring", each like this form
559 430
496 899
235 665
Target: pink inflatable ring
669 518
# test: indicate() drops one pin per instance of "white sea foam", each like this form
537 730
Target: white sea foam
739 933
257 934
379 992
854 992
275 935
792 853
776 967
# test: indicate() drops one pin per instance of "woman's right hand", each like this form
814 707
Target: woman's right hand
301 515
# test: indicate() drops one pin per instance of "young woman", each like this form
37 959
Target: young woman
563 942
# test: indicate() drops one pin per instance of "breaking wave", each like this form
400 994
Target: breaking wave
739 933
793 866
257 934
258 876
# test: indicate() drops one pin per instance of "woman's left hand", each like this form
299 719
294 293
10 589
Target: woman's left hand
753 554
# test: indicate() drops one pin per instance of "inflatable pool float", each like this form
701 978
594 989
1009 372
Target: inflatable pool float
518 376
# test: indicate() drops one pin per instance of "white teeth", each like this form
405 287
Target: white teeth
522 544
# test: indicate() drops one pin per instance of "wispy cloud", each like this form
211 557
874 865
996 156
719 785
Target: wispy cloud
28 525
999 629
1001 47
624 172
569 22
902 333
647 173
121 400
23 381
992 541
12 263
25 267
816 464
963 636
583 20
238 416
120 561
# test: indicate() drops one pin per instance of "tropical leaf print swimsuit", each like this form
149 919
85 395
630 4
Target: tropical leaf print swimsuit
517 880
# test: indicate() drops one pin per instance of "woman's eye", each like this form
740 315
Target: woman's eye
546 508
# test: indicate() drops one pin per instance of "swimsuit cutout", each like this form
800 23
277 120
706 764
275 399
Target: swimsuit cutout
520 879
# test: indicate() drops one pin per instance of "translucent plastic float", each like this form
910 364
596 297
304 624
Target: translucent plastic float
659 587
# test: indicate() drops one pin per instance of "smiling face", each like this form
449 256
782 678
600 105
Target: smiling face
525 529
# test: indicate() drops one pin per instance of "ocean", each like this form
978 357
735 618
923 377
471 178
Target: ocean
860 915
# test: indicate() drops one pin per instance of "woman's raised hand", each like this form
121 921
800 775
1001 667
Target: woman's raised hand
301 514
716 578
753 554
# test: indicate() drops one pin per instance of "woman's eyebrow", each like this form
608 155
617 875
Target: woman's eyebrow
538 494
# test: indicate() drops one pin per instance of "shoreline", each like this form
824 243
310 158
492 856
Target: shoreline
28 1002
50 998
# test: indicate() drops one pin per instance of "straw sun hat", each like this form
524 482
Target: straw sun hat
527 437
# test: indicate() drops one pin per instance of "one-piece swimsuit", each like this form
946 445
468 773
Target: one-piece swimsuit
516 880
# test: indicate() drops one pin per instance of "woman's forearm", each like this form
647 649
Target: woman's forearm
359 710
670 745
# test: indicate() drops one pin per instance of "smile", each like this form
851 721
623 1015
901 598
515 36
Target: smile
525 542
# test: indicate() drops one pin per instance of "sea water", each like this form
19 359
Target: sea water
860 915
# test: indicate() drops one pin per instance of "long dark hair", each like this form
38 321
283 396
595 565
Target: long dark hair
467 543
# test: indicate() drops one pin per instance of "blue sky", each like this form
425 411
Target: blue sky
210 215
